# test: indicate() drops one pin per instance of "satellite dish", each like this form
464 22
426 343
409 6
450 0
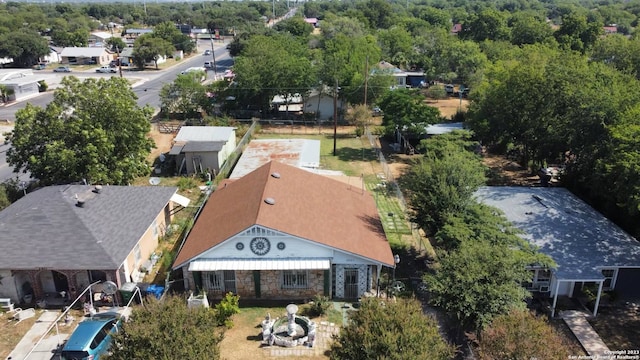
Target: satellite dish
109 287
154 180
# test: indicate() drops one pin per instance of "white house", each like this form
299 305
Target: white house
85 55
586 246
199 149
281 232
23 82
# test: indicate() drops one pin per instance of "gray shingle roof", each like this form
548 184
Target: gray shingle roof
576 236
46 228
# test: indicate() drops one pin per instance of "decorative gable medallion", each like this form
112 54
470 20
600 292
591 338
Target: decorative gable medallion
239 246
260 245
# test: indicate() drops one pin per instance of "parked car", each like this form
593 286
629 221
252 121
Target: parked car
92 338
106 69
207 53
208 64
62 69
40 66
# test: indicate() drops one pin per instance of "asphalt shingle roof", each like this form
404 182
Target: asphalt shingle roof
577 237
47 229
307 205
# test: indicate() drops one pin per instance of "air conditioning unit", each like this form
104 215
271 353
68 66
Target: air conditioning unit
544 288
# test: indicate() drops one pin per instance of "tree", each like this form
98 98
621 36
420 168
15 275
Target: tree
273 65
405 111
24 47
437 92
168 330
397 46
92 130
149 48
4 199
489 24
5 93
296 26
529 29
520 334
441 185
577 33
390 330
168 32
478 281
116 44
185 96
358 116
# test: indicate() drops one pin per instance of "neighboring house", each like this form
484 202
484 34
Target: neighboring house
586 246
285 233
291 103
321 104
22 82
200 149
99 38
443 128
65 237
54 55
301 153
404 79
456 28
126 55
5 60
610 30
134 33
85 55
312 21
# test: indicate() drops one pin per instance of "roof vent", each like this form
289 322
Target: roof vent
80 203
275 175
97 189
270 201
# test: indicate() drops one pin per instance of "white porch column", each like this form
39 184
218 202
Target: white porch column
378 271
555 299
595 308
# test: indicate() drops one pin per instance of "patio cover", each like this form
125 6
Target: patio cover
259 264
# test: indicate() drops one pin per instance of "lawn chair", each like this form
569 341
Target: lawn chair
24 314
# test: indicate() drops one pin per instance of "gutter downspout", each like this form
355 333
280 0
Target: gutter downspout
555 299
595 308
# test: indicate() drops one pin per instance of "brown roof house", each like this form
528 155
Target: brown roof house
59 239
281 232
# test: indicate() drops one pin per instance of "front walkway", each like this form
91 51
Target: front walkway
589 338
47 347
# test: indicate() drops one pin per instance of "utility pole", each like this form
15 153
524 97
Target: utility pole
366 78
119 61
213 55
335 117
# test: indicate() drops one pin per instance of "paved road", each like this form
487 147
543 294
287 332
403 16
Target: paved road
147 89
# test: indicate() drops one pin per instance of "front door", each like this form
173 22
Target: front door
60 281
351 283
230 281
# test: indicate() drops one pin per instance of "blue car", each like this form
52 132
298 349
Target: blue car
92 338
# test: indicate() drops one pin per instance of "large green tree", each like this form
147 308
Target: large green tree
185 96
24 47
390 330
92 130
406 112
149 48
441 184
168 330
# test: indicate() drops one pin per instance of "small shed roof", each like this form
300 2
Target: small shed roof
204 133
578 238
102 35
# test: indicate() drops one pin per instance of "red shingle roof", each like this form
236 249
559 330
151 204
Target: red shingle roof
306 205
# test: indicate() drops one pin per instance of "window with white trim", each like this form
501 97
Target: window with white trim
295 279
609 275
543 276
213 280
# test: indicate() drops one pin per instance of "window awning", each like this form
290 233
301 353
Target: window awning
179 199
260 264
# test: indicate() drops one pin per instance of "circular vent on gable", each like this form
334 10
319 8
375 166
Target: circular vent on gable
270 201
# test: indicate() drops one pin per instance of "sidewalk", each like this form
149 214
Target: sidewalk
589 338
46 349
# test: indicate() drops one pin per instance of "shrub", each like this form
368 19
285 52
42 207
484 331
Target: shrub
226 308
42 86
186 183
319 306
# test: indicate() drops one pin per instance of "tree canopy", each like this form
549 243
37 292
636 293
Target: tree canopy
168 330
390 330
92 130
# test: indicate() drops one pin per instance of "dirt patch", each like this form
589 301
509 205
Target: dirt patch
505 172
619 326
163 142
449 107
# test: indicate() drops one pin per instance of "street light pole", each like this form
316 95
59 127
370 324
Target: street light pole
213 54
